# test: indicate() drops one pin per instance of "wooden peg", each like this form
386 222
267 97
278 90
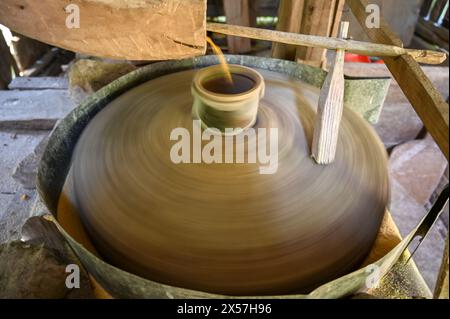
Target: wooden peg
329 110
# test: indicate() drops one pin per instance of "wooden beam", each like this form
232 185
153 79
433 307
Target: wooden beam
428 103
237 12
290 13
117 29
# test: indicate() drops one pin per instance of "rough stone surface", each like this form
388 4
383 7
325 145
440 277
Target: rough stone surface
418 166
91 75
26 171
28 271
416 169
33 110
38 208
398 122
15 215
36 266
14 147
39 83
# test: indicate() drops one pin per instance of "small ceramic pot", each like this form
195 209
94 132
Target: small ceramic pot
222 111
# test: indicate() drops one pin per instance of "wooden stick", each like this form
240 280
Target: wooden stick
358 47
329 110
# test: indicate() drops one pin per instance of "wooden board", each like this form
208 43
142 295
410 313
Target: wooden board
307 17
118 29
424 97
290 15
318 19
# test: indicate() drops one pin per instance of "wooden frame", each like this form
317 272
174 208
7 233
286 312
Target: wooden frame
428 103
425 99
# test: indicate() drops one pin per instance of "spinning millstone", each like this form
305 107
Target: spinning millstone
224 227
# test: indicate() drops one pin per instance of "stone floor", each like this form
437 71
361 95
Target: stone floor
417 168
417 171
14 147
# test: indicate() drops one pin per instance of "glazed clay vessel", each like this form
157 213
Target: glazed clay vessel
222 111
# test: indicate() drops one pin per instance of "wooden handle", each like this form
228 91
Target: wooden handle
329 110
358 47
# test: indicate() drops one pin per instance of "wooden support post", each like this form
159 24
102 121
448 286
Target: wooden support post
428 103
329 110
317 21
337 16
437 10
253 12
237 12
290 13
315 17
319 18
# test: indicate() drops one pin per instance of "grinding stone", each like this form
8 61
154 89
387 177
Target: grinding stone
225 228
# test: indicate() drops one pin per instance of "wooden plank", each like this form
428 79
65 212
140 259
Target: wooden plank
40 65
27 51
425 9
290 13
318 19
39 83
437 10
426 100
431 37
117 29
237 12
434 30
337 17
330 108
253 12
